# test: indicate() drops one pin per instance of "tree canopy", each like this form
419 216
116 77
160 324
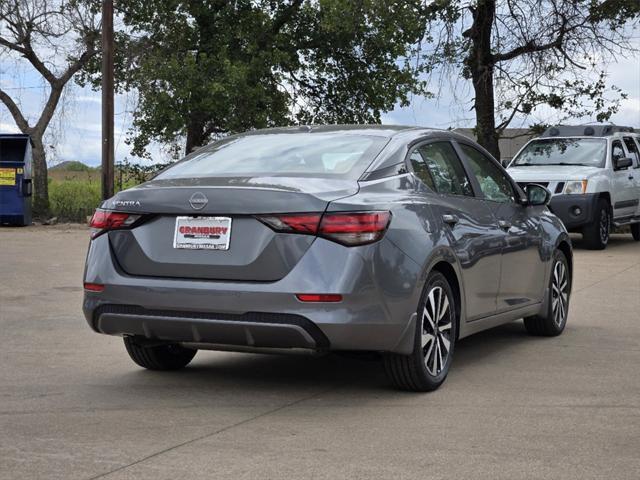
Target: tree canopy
207 68
525 55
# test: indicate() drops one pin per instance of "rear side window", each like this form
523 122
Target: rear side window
493 181
633 151
282 154
439 167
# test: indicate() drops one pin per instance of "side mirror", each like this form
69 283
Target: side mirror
537 195
620 163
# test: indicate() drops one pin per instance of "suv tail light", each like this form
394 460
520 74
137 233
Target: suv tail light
346 228
105 220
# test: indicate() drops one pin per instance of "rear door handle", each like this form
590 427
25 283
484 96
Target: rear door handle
450 219
504 225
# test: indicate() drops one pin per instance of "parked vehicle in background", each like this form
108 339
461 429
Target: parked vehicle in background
593 173
396 240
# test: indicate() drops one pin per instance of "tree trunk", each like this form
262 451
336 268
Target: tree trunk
484 106
195 135
481 64
40 178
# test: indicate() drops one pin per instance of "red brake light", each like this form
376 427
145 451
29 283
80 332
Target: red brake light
347 228
354 228
319 297
104 220
293 223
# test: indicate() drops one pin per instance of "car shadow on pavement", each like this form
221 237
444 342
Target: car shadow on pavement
488 343
616 240
217 372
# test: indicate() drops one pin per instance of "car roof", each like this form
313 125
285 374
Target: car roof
387 131
626 134
595 130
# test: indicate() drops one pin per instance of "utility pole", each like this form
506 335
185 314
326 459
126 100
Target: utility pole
107 99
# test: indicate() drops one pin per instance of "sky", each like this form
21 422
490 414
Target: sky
75 132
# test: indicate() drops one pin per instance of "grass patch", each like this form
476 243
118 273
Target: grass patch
75 189
73 200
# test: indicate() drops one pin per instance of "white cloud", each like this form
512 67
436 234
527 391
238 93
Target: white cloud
89 99
8 128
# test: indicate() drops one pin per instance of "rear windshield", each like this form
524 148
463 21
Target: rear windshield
296 154
563 151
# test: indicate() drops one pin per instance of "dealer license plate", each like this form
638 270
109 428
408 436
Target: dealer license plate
202 233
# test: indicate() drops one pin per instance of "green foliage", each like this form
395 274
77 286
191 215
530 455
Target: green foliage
205 69
616 12
129 174
73 200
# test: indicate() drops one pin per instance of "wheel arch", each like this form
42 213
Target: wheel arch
444 261
606 196
564 245
447 270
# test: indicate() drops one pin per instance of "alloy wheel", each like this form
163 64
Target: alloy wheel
436 330
559 293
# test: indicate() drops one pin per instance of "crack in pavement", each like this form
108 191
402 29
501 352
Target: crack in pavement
216 432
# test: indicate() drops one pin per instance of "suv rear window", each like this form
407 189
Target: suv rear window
282 154
563 151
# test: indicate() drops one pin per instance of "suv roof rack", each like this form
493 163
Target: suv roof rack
584 130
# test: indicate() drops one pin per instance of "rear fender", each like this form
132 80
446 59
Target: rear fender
562 238
438 255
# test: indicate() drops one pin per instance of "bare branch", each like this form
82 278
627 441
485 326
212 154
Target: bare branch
38 64
15 112
530 47
523 55
43 32
12 46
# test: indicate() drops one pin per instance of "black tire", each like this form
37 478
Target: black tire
635 231
596 234
553 323
159 357
412 372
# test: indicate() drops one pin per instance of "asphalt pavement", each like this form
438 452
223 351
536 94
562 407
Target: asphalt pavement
74 406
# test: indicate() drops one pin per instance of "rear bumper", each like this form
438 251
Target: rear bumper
575 211
376 312
260 330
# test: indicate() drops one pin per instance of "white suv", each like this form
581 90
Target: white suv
593 174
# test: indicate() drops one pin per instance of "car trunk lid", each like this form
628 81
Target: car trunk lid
255 252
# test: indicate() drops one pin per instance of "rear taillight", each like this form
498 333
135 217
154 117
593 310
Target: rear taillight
105 220
293 223
347 228
358 228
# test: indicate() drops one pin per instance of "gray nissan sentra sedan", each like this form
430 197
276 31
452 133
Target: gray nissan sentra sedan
396 240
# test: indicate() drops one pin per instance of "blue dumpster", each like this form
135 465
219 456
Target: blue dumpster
15 179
